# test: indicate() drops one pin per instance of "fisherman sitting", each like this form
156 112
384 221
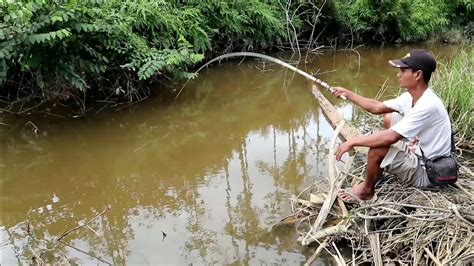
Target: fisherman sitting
416 123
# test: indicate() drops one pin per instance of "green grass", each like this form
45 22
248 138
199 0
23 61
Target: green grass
454 82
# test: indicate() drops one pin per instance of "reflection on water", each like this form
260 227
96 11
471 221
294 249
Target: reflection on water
200 180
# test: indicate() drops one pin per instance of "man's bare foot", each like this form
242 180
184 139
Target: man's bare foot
356 193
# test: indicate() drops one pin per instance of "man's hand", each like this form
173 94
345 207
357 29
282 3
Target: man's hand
413 145
343 148
340 91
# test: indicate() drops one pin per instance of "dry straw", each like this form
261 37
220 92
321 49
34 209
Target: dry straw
404 225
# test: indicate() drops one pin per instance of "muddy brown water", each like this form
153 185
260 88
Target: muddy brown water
200 180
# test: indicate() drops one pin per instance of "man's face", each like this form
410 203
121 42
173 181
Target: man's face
407 77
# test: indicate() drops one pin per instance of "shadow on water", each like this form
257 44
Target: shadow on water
213 170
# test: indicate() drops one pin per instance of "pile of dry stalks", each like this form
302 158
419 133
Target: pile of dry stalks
402 225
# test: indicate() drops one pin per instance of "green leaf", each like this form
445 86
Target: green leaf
56 18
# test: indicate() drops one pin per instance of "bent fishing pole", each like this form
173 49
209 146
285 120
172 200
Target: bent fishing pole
269 58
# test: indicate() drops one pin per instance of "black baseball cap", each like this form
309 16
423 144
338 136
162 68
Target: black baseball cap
417 59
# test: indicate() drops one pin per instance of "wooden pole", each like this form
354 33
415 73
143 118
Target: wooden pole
330 112
347 132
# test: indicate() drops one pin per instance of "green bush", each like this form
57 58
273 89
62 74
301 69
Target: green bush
364 18
244 24
407 20
65 47
63 44
52 49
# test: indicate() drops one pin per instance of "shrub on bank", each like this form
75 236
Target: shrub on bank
56 49
402 20
66 49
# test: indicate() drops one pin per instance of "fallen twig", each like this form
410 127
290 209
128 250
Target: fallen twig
327 205
106 209
317 252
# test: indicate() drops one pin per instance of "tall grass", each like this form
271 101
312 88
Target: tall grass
454 82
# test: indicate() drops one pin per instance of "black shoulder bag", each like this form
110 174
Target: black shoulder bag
442 170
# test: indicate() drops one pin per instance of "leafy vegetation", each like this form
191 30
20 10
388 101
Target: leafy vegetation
454 83
61 50
402 20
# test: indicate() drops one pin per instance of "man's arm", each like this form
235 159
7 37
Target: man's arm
379 139
370 105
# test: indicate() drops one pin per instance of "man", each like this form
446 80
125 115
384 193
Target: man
415 120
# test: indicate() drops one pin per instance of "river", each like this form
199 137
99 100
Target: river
199 180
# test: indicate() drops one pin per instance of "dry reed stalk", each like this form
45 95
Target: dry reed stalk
338 257
318 251
432 257
375 247
330 231
335 184
407 222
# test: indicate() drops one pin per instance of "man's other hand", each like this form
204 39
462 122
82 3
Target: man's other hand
340 91
343 148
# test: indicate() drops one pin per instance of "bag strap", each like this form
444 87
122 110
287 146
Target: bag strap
422 153
453 145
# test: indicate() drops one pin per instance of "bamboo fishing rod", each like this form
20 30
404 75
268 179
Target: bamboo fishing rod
269 58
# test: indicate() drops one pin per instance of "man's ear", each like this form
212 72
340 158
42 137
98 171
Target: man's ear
418 75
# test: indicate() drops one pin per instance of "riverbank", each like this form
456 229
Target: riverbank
400 224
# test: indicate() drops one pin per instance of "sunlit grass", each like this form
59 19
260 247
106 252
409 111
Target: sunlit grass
454 83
